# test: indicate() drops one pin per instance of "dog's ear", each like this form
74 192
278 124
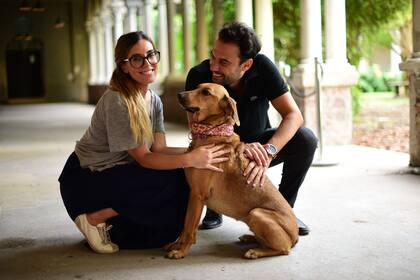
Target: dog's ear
229 106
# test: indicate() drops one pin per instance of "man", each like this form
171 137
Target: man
254 81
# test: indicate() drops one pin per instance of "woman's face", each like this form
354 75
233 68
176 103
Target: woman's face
146 73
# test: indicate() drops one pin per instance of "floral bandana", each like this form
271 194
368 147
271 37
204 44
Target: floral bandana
203 131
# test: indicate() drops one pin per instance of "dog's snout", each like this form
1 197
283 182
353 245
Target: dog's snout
181 97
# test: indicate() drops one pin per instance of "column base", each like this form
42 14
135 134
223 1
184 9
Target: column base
336 109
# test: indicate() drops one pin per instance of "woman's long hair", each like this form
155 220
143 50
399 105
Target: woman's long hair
126 86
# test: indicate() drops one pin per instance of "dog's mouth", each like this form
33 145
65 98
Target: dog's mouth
192 109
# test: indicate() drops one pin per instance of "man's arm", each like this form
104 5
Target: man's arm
292 119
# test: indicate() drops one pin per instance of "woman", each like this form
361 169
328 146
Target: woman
122 174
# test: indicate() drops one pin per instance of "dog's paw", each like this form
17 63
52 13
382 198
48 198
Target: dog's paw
168 247
175 254
172 246
247 238
251 254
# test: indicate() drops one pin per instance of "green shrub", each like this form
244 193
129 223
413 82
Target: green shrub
373 80
355 100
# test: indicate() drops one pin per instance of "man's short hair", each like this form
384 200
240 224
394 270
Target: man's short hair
243 36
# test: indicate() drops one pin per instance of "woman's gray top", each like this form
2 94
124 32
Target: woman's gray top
109 136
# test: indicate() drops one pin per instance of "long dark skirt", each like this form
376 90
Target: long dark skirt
151 203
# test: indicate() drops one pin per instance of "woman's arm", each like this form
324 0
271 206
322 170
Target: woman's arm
159 146
203 157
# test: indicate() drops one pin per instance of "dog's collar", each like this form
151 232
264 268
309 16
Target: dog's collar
203 131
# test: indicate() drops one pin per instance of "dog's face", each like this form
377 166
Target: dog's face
209 104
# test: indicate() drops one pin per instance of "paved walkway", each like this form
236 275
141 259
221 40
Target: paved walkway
364 214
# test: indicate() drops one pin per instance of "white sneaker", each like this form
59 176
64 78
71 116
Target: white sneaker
97 236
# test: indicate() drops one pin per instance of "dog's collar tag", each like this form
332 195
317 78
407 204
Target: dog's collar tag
203 131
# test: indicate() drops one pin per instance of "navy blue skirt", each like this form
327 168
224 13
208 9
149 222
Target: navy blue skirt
151 203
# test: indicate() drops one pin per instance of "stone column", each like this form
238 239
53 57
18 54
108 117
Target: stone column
412 66
106 21
162 43
186 34
142 23
92 53
132 7
303 76
202 33
244 12
148 25
335 21
118 10
170 9
217 17
264 26
311 31
101 74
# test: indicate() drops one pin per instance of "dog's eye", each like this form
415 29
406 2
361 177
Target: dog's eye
205 92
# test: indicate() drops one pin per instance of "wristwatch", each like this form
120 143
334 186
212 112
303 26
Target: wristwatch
271 150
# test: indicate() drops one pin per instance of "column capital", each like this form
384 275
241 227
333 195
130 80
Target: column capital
133 4
411 65
106 17
96 22
118 7
89 25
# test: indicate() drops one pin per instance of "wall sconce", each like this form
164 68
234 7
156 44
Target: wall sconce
59 23
38 7
25 6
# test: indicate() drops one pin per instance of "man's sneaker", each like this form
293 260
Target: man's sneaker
97 236
211 220
303 229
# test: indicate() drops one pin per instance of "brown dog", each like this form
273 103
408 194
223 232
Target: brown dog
263 209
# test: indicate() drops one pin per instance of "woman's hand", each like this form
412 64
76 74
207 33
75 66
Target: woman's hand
205 156
257 153
255 174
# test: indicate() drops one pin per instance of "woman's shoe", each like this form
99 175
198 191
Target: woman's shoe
97 236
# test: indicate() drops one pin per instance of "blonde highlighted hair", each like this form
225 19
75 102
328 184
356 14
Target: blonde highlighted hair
122 82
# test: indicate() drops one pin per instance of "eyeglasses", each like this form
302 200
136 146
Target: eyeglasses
137 60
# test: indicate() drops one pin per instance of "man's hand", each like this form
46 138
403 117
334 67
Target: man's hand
257 167
256 152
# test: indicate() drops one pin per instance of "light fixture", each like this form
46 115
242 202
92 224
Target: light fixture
59 23
25 6
38 7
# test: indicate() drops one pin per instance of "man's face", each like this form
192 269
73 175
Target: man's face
225 64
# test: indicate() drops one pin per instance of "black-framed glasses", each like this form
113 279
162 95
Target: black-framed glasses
137 60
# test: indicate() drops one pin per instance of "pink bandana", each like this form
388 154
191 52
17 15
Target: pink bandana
203 131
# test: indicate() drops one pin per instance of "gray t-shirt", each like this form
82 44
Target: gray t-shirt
109 136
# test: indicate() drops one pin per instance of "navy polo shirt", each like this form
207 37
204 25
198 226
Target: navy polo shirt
260 84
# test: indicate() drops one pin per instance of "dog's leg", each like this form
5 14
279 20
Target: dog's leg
273 239
180 248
